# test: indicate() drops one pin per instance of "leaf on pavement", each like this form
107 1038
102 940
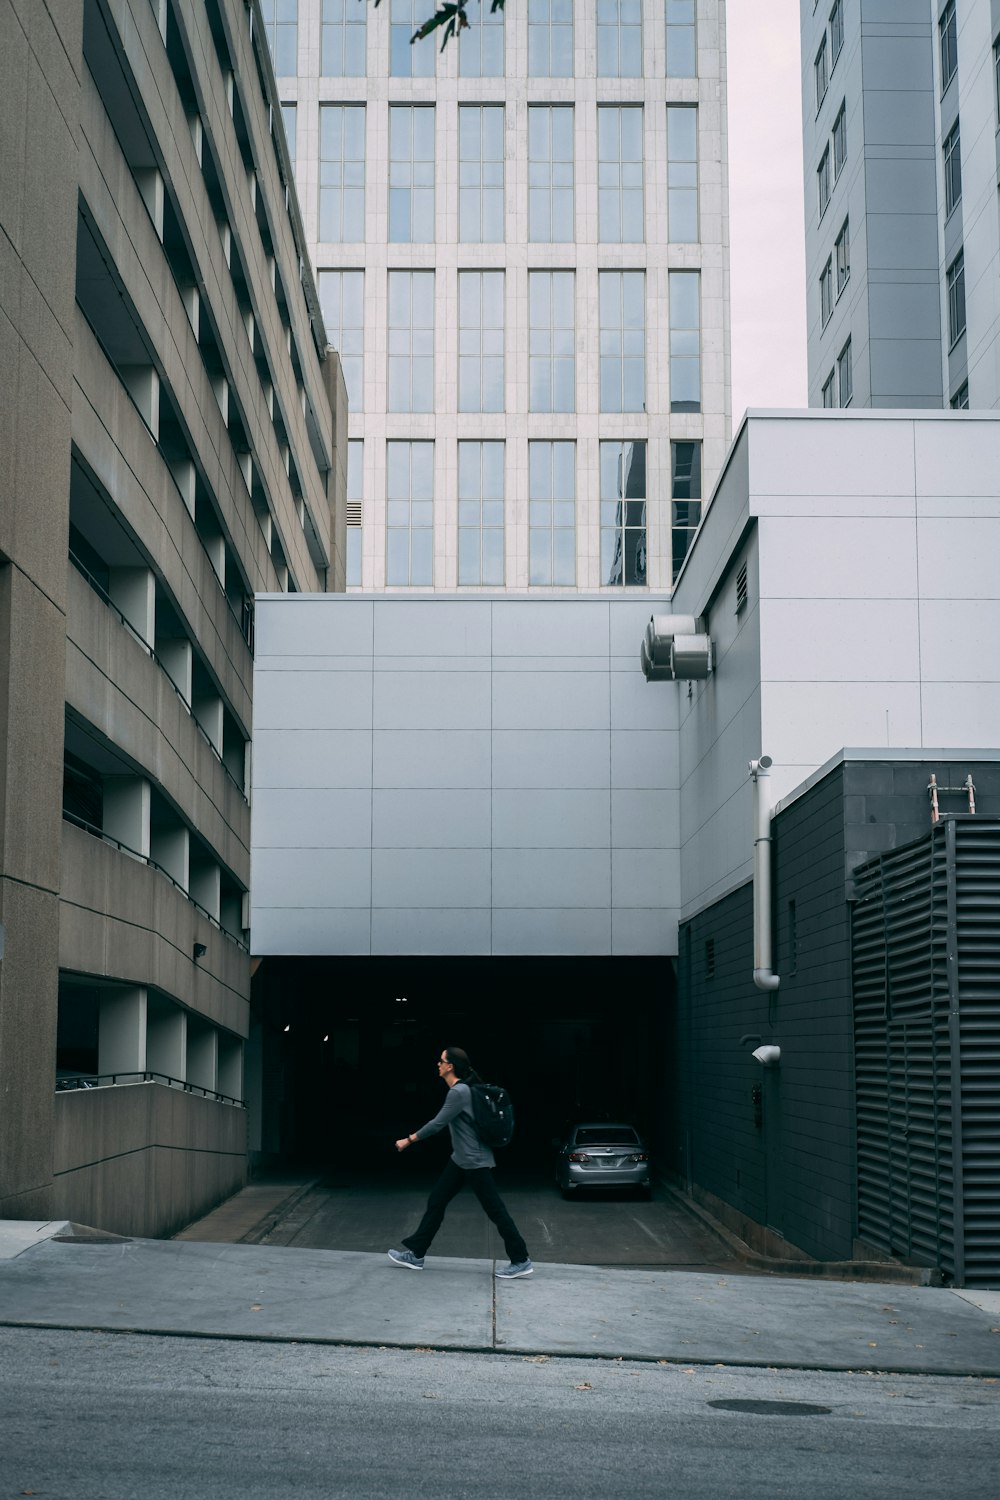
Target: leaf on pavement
586 1386
536 1359
257 1307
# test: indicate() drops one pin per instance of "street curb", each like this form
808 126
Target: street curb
512 1351
889 1271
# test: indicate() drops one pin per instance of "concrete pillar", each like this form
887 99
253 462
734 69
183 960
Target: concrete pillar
170 849
220 385
208 710
230 1072
133 591
143 385
231 913
150 185
177 657
245 461
266 528
205 886
166 1039
160 11
197 135
126 812
202 1054
282 571
191 298
269 398
121 1031
215 546
234 754
249 325
186 480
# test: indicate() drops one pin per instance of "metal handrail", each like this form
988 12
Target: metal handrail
146 859
103 594
94 1080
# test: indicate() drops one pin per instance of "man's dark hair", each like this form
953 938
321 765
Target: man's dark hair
459 1059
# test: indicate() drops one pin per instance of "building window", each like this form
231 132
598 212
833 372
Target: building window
826 293
682 49
289 118
836 32
480 173
480 46
409 513
343 39
623 514
830 390
281 23
480 340
480 513
411 173
550 173
551 341
840 141
342 299
619 174
552 513
821 73
550 38
685 499
619 38
685 341
960 400
823 181
411 341
956 298
948 35
845 376
952 169
342 172
682 173
355 495
842 250
623 340
409 59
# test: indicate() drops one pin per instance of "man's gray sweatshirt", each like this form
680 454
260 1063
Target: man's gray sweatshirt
467 1150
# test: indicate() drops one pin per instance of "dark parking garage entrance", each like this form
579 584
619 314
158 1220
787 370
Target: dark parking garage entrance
349 1046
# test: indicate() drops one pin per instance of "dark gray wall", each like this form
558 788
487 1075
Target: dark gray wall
795 1171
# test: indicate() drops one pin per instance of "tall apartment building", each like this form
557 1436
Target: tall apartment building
167 448
521 252
900 118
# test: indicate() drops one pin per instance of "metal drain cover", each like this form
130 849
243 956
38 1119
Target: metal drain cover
774 1408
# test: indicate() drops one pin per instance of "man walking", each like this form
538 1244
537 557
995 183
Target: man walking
471 1162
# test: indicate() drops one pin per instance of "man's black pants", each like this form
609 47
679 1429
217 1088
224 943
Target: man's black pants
448 1185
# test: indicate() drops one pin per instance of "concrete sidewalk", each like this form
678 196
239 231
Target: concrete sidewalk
52 1277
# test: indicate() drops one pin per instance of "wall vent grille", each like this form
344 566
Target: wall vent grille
926 956
741 587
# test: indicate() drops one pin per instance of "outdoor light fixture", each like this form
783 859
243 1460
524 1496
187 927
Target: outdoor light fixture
288 1028
198 951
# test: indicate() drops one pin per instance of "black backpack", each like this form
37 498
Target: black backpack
492 1113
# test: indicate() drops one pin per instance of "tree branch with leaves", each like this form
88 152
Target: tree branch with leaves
450 19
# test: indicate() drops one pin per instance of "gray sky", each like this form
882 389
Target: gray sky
766 205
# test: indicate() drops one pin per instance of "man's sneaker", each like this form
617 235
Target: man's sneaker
407 1258
515 1269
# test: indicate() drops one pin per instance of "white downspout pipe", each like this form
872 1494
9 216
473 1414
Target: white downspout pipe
764 976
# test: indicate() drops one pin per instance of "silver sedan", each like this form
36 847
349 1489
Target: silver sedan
603 1156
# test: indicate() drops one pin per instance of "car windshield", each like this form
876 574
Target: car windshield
607 1135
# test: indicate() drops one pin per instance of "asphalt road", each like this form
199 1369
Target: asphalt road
110 1417
372 1209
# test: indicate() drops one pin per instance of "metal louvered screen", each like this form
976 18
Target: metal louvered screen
926 979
